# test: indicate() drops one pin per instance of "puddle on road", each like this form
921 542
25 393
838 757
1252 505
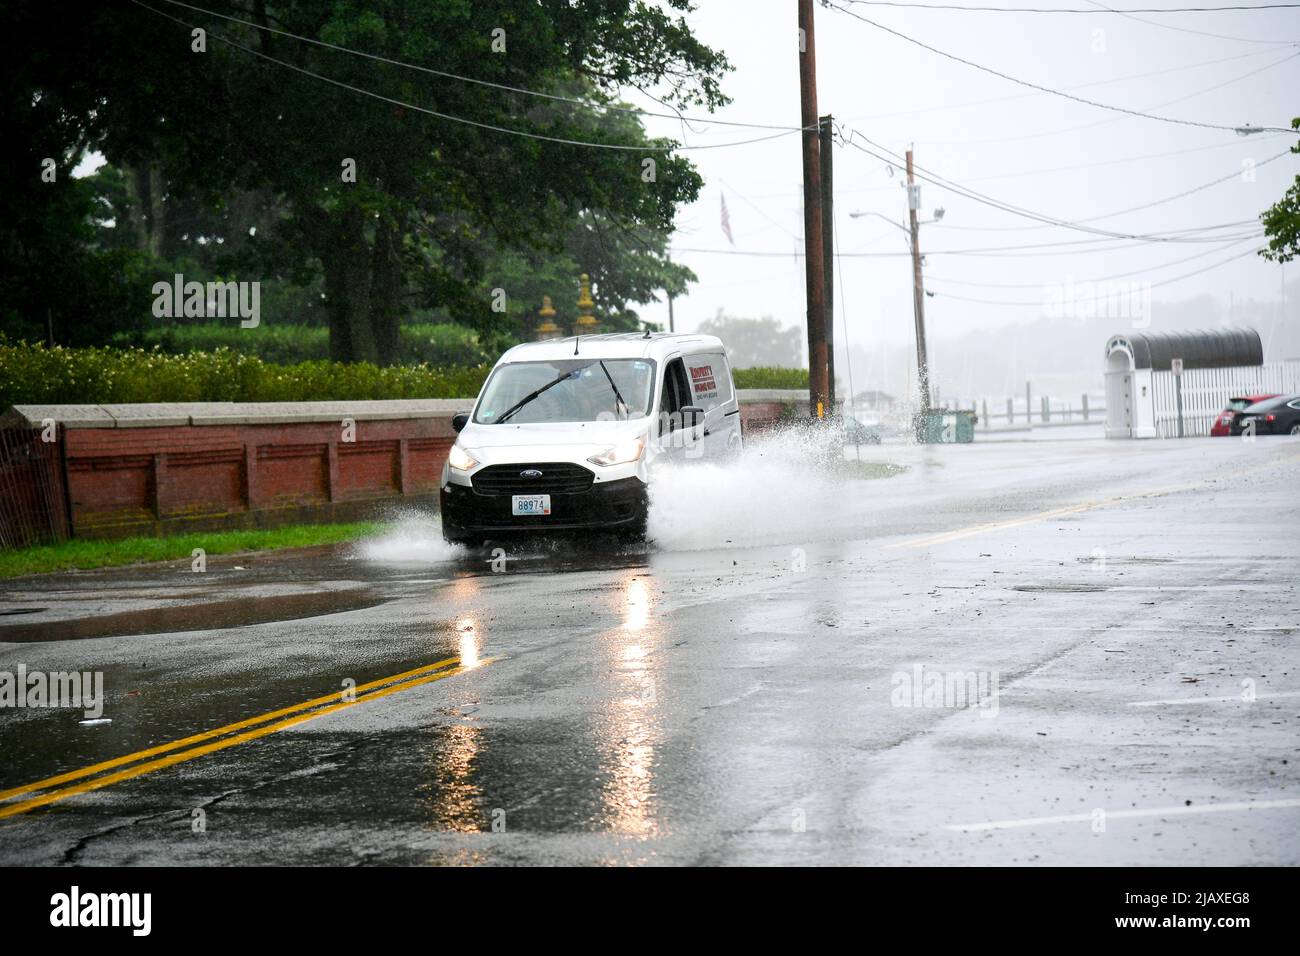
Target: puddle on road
195 617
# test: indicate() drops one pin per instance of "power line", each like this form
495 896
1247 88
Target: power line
1170 26
1123 275
1116 119
1123 12
643 148
1008 207
1040 88
1104 162
1043 171
1076 86
1016 251
1122 212
586 104
1153 285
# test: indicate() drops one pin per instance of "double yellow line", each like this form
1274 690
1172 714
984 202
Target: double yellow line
221 738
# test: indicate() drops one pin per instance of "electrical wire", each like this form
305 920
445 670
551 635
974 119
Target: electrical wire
642 148
1170 26
967 193
586 104
1122 12
1116 119
1122 212
1018 251
1044 89
1153 285
1123 275
1076 86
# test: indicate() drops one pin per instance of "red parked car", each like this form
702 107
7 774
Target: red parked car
1223 424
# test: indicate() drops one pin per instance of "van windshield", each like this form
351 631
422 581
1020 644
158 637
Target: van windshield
567 390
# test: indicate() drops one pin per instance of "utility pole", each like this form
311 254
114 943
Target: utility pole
671 324
814 260
918 290
824 145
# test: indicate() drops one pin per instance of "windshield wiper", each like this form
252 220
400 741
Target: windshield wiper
532 395
627 412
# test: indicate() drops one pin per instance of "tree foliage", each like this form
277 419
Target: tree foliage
1282 220
230 161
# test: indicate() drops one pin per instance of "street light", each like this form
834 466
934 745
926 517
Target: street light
913 233
858 214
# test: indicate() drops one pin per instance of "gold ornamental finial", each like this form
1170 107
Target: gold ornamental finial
587 323
547 329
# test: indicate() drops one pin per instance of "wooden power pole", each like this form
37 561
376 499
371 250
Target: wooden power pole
918 290
814 260
824 145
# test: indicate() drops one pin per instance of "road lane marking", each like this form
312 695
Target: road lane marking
1123 815
218 732
164 762
1234 699
944 537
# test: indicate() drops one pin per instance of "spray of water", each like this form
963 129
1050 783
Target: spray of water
784 487
415 538
789 485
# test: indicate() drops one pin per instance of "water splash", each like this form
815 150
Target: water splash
786 486
415 539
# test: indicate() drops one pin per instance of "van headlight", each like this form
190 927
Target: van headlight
460 459
619 454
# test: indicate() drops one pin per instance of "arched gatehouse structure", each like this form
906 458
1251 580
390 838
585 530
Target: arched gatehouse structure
1143 392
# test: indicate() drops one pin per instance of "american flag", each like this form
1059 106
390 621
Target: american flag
726 220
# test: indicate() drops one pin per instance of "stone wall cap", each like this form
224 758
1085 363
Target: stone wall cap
159 414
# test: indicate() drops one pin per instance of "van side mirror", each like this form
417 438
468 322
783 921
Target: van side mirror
459 420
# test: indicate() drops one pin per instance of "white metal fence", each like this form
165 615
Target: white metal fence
1206 392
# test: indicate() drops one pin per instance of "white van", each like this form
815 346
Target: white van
566 433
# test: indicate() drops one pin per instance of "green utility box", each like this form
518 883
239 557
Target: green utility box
944 427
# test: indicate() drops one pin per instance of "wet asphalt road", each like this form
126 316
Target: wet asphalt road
750 691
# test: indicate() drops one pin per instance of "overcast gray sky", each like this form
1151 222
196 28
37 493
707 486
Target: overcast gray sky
1000 139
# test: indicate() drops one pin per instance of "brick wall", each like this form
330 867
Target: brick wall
119 470
168 469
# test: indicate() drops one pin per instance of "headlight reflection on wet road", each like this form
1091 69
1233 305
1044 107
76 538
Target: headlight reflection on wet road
630 727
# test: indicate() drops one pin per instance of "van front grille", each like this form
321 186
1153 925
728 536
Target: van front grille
557 478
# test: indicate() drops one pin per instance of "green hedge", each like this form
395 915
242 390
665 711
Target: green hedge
36 375
440 344
771 377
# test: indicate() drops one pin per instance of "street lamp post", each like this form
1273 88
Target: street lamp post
912 232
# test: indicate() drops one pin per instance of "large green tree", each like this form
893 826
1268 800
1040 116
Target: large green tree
438 204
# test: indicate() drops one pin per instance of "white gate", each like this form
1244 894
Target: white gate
1206 392
1119 404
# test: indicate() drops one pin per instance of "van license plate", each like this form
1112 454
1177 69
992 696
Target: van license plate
530 504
